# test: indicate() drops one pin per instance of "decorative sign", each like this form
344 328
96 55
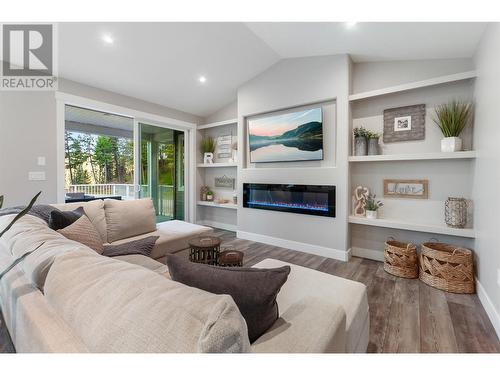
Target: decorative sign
416 189
224 146
404 123
224 182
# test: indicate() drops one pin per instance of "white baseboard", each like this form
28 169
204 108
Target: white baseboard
368 253
294 245
490 309
216 224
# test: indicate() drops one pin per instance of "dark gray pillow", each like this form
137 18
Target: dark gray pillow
254 290
143 246
62 219
41 211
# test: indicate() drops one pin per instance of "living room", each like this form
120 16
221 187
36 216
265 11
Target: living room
259 187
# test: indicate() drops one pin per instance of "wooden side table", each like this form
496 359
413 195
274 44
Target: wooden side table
231 258
205 250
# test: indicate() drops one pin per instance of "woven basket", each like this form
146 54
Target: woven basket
447 267
400 259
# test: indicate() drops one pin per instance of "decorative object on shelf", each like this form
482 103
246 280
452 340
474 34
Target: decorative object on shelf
222 201
373 143
234 152
235 198
404 123
360 141
372 206
415 189
400 259
447 267
224 146
203 192
359 199
210 196
224 182
452 118
207 148
455 212
287 136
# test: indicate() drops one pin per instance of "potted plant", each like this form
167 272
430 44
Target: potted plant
207 148
372 206
452 118
373 143
210 196
360 142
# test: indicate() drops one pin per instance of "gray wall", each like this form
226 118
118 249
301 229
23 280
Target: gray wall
487 172
290 83
227 112
28 130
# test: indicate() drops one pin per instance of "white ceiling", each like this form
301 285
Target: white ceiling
161 62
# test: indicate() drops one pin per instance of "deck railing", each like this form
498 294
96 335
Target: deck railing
165 202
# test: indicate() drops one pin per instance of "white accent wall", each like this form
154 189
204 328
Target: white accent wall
294 83
487 172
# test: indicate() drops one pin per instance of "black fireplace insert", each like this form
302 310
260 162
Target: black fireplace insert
316 200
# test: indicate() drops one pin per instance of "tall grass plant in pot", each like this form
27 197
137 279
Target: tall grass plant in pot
452 118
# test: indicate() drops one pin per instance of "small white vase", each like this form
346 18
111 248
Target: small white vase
371 214
451 144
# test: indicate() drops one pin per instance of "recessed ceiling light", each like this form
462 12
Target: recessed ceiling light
202 79
108 39
350 25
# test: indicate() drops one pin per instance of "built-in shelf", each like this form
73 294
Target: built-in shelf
231 206
414 85
416 227
426 156
220 123
217 165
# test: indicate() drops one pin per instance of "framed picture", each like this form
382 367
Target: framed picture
224 146
224 182
404 123
415 189
290 136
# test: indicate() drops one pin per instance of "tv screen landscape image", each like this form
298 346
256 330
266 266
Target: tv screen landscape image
293 136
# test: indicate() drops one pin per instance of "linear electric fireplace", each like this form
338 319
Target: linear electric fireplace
302 199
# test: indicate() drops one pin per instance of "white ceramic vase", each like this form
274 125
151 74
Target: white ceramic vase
371 214
451 144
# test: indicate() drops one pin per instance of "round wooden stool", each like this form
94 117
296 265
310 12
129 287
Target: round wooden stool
231 258
204 250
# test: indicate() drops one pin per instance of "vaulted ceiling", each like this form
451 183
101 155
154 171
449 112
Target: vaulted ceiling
163 62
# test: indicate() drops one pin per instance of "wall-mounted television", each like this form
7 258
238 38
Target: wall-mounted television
292 136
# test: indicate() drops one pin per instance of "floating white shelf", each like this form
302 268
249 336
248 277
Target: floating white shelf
220 123
231 206
416 227
414 85
217 165
426 156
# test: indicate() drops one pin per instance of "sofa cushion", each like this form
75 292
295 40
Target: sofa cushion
95 212
61 219
27 234
350 295
142 246
172 235
125 219
253 290
83 231
119 307
145 262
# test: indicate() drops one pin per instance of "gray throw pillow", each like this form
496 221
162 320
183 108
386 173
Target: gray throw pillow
62 219
143 246
41 211
254 290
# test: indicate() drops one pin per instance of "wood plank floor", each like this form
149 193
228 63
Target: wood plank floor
406 316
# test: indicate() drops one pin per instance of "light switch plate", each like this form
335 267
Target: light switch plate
41 161
36 176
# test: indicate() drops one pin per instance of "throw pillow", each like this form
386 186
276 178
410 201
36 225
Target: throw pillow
83 231
143 246
254 290
42 211
61 219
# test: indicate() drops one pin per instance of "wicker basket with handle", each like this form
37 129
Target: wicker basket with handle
447 267
400 259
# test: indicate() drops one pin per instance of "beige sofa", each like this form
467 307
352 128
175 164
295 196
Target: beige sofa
67 298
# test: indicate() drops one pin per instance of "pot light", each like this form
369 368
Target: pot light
202 79
108 39
350 25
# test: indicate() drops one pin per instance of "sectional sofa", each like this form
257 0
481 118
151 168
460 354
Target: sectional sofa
67 298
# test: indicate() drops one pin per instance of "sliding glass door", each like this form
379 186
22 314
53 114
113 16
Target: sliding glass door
161 170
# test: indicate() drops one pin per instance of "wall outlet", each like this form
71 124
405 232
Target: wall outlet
36 176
